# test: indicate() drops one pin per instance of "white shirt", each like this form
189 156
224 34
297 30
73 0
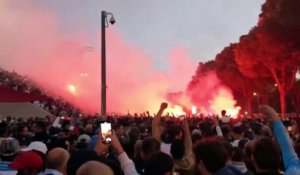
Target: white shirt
225 119
165 148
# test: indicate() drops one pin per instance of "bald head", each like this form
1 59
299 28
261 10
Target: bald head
94 168
57 159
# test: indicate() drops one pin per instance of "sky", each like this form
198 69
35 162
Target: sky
203 27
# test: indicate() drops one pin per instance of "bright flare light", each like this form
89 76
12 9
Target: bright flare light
298 75
233 112
224 101
72 89
176 110
194 110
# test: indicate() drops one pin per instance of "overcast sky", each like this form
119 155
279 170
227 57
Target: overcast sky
204 27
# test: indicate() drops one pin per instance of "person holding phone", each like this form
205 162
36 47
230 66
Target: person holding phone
107 137
180 147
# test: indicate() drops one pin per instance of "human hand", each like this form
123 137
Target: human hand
163 106
269 112
185 125
101 148
116 143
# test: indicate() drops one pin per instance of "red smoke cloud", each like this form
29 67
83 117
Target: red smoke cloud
32 44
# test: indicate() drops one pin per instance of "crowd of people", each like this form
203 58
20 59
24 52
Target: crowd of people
55 105
159 145
145 145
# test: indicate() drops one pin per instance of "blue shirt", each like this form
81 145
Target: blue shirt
289 156
6 170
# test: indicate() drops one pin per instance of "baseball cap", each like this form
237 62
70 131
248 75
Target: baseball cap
84 138
9 147
37 146
27 160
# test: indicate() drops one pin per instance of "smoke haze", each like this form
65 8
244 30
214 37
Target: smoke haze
33 45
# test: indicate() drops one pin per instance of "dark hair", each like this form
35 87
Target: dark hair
3 129
40 124
134 134
226 145
223 112
158 164
238 154
212 153
177 149
266 154
172 132
237 130
149 146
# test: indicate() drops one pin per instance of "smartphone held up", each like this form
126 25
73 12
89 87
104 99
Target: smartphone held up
106 132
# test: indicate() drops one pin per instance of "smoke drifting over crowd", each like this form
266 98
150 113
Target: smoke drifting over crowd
31 44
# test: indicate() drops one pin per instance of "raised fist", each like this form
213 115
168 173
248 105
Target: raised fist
163 106
268 111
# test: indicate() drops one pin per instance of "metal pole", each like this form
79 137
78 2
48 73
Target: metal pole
103 65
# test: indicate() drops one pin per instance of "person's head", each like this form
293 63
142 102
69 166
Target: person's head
177 149
3 129
23 130
89 128
57 159
119 129
237 132
173 132
94 168
78 158
238 155
39 126
27 163
149 146
134 134
159 164
223 113
211 156
9 148
266 155
227 145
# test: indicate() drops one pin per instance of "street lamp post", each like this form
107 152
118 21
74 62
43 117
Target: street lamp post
104 24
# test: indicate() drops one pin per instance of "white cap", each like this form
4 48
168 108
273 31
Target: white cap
85 137
37 146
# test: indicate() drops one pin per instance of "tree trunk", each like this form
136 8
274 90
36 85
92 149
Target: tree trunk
282 94
248 105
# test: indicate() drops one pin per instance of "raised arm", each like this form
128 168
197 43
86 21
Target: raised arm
189 157
217 125
187 137
156 122
126 163
289 155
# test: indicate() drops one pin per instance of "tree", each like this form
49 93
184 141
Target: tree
295 95
229 73
265 52
273 46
